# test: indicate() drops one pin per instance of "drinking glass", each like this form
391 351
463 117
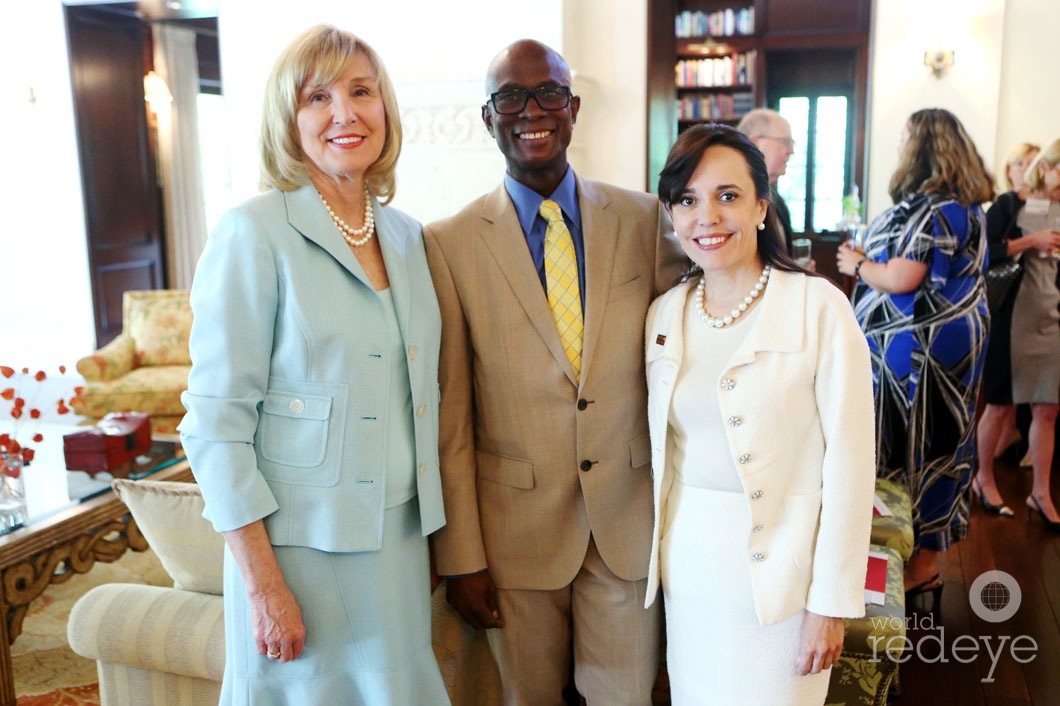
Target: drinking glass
802 250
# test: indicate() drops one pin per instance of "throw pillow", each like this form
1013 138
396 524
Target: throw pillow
169 514
159 322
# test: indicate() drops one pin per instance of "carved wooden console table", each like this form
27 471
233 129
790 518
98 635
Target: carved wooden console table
55 548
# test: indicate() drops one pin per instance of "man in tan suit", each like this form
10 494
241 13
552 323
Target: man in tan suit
544 435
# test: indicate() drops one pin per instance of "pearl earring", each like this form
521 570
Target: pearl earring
762 225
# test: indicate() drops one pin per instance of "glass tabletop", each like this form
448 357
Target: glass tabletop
50 488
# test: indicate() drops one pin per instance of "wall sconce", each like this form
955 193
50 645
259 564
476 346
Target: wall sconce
939 60
156 92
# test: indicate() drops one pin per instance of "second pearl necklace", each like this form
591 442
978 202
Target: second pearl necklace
354 236
721 322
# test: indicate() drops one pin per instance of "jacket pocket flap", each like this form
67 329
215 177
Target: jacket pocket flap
505 470
640 451
300 406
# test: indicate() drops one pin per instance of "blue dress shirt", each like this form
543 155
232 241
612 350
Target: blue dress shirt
527 202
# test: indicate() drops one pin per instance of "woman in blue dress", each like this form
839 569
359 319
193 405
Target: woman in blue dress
920 299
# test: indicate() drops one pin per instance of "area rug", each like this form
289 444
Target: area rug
47 671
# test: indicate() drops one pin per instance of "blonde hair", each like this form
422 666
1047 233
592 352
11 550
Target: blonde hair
940 158
1050 156
1015 155
321 53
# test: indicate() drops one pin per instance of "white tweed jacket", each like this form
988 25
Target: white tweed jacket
800 385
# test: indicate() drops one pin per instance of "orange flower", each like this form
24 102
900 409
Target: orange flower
38 437
8 394
28 454
34 414
6 371
40 376
62 369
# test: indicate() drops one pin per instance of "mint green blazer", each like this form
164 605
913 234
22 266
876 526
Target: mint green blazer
286 396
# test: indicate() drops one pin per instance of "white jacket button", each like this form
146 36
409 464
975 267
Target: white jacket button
413 352
758 557
735 421
728 384
421 411
296 406
758 528
757 495
744 458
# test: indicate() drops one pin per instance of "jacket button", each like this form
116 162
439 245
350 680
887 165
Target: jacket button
757 495
728 384
413 351
756 557
758 528
744 458
735 421
586 465
421 411
296 406
582 405
421 469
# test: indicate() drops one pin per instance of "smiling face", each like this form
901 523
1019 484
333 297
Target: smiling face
533 141
342 125
717 215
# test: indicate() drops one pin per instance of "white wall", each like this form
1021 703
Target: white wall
1029 108
45 302
903 30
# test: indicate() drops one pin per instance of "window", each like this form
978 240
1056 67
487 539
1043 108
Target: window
814 188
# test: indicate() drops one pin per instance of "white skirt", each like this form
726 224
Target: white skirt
717 653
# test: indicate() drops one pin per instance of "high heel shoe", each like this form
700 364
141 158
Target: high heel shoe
1049 524
932 586
1001 510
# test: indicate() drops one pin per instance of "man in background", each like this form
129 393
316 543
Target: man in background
771 133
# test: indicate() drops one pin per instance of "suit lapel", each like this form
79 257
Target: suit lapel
306 214
503 237
599 235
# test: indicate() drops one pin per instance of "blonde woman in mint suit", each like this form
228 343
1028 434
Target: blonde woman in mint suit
313 398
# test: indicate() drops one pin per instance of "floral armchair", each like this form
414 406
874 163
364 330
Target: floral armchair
144 369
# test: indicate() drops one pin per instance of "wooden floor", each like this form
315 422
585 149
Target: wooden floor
992 675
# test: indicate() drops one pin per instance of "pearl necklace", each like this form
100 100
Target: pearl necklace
709 320
354 236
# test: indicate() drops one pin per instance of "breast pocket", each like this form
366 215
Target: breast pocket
299 437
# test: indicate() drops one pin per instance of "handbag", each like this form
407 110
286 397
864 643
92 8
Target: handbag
999 280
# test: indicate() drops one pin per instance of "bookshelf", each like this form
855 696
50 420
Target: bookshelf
708 60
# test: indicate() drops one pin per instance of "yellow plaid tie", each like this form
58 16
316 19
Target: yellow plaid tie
561 283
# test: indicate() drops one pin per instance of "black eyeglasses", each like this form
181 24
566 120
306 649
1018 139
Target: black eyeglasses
513 101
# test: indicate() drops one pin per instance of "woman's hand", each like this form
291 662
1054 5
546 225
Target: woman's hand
275 618
276 621
847 259
1046 241
820 643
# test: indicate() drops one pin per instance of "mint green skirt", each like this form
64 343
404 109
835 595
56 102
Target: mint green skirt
368 627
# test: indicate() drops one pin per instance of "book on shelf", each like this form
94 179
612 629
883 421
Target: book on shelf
730 22
714 106
716 71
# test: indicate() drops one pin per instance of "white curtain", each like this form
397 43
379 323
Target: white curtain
178 146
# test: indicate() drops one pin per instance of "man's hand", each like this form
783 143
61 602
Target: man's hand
475 597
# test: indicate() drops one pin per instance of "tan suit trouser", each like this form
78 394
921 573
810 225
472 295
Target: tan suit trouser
614 638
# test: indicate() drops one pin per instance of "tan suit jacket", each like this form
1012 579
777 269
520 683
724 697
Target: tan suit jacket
531 463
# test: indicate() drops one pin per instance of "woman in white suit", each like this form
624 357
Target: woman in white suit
313 397
760 411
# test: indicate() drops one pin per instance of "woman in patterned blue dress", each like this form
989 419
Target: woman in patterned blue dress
920 299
